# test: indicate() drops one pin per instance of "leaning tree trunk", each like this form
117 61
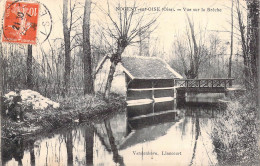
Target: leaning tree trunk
110 78
116 157
88 80
29 81
115 59
66 33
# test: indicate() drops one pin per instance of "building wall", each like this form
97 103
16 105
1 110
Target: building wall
147 94
118 83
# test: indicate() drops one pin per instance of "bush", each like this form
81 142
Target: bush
235 133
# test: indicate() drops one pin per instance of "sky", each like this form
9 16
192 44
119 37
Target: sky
170 24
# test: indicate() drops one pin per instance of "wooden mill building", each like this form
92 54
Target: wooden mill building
148 79
149 84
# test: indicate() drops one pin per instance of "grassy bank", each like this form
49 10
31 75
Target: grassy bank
236 134
72 110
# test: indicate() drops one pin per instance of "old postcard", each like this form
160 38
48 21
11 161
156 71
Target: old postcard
129 82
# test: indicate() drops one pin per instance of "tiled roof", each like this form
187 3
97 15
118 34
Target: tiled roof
140 67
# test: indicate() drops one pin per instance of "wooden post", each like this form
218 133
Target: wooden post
230 83
153 95
173 88
126 85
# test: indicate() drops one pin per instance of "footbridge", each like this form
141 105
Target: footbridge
214 85
205 85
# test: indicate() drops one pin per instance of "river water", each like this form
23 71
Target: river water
177 137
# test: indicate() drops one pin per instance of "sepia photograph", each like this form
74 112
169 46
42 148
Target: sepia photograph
129 82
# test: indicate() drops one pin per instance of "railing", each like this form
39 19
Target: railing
204 83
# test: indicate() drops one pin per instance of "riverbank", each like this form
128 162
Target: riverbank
72 110
236 133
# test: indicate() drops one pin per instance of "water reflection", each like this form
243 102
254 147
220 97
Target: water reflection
89 141
31 150
116 157
165 139
18 150
197 133
69 147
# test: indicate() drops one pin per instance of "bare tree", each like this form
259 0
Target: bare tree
144 43
66 33
243 43
29 80
181 53
231 44
253 42
69 9
196 58
194 62
87 62
125 29
197 51
250 44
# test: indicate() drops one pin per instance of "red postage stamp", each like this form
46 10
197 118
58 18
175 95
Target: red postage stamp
20 22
